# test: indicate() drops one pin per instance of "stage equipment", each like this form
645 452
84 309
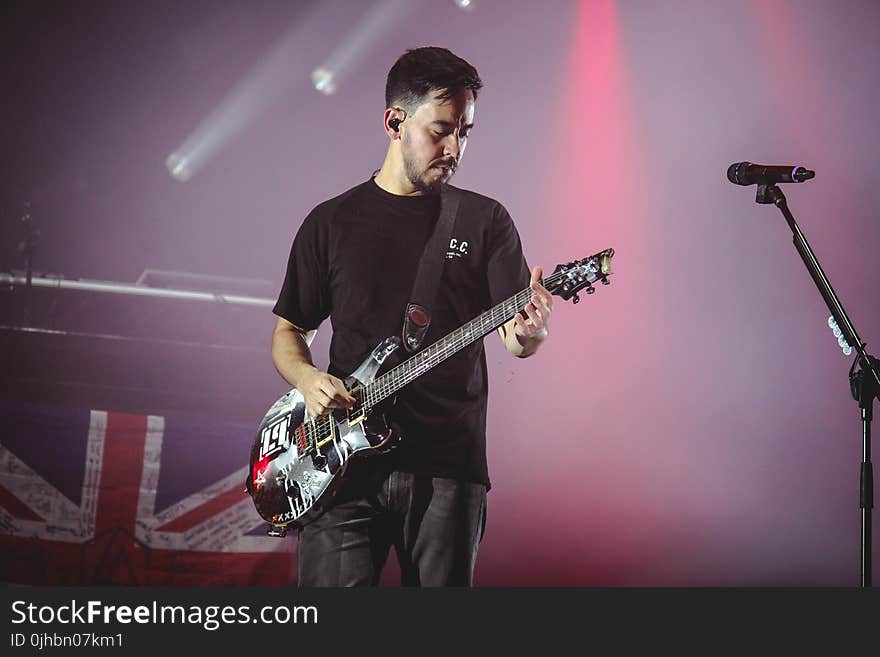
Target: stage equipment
865 381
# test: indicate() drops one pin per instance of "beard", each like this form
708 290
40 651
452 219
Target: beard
423 176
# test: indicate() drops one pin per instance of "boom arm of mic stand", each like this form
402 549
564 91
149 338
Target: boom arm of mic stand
772 194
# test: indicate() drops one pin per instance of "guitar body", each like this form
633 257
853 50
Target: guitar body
293 475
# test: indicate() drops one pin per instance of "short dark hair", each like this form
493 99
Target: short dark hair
420 70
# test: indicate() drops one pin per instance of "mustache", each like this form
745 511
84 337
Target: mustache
452 164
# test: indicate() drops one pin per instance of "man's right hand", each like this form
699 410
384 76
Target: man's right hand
323 393
293 360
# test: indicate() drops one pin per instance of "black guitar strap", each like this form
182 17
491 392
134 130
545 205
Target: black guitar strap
417 317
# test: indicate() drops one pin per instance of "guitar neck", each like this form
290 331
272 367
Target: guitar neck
479 327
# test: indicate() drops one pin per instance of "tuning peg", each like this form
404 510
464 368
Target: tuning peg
605 281
591 290
575 298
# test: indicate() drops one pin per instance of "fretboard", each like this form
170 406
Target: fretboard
412 368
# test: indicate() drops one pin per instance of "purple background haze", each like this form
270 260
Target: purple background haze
690 424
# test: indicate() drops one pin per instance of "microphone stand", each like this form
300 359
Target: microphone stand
864 383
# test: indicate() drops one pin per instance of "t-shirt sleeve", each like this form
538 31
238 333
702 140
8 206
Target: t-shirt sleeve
508 272
304 299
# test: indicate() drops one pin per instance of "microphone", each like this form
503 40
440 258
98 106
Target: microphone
746 173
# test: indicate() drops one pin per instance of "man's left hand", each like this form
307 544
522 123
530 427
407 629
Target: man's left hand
531 323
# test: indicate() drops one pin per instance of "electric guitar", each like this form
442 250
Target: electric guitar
298 462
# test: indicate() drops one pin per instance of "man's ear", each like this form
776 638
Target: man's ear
398 116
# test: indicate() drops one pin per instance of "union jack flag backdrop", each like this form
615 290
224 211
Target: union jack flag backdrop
94 497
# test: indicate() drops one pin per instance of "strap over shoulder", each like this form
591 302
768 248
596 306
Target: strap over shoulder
417 317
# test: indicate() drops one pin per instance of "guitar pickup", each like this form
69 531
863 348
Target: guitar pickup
322 438
356 411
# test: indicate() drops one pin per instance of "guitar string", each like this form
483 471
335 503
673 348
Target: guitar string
435 354
452 343
410 369
406 372
458 339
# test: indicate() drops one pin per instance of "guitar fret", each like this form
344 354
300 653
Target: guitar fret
414 367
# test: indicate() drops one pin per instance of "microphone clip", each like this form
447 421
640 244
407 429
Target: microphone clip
769 194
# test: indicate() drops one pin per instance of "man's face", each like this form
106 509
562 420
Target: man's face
433 139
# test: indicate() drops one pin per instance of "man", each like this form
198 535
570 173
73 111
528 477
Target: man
354 259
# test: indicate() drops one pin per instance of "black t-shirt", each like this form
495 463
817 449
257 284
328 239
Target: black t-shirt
354 260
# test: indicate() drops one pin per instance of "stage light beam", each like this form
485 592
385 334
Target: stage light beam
378 21
265 84
323 81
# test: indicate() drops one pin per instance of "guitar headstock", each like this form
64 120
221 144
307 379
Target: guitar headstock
569 279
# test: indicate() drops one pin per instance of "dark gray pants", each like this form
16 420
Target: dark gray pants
435 525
